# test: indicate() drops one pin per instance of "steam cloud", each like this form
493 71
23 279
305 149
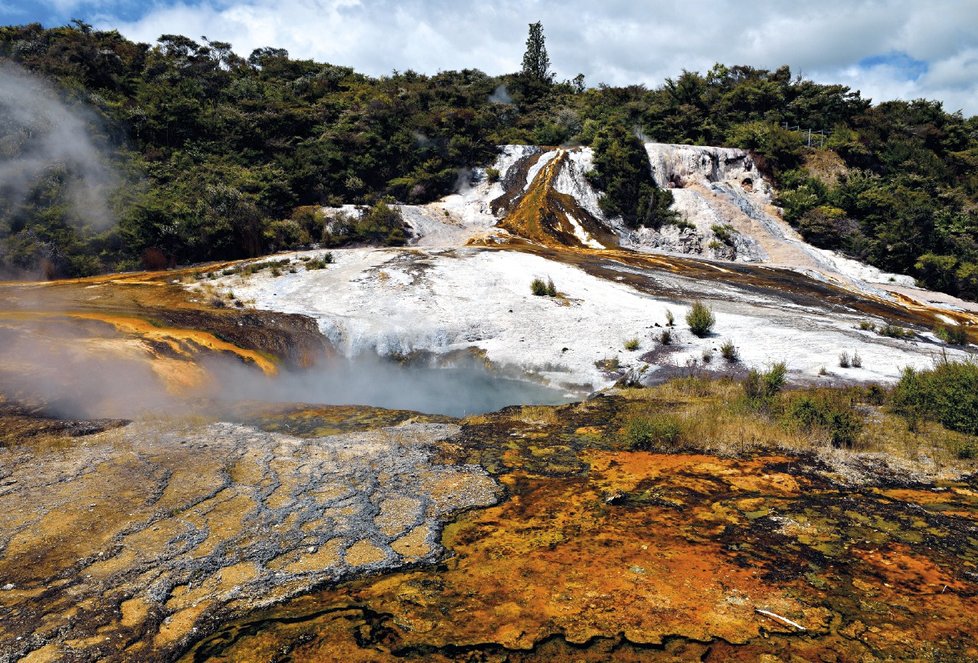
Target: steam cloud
38 133
500 96
61 370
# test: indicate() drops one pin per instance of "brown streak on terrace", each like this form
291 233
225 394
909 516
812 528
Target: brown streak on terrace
543 214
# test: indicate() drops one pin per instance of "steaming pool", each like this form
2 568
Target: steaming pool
453 391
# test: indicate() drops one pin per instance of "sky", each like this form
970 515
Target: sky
888 49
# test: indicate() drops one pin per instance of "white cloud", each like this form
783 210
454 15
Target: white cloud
617 41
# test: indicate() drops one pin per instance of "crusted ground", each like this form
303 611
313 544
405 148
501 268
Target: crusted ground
601 553
124 543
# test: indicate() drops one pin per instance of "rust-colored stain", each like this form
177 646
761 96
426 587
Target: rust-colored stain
546 216
136 324
638 556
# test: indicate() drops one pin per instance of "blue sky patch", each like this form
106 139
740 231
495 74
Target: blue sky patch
908 68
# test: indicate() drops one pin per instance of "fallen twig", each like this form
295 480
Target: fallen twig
777 617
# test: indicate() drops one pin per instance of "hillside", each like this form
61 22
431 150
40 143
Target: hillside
205 155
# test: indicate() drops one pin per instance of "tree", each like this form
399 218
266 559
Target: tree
536 62
623 175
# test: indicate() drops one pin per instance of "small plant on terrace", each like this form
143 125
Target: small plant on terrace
844 360
729 352
321 262
665 337
551 288
953 335
893 331
538 287
670 319
700 319
492 174
632 344
857 361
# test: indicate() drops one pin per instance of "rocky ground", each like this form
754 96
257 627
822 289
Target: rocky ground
126 543
600 553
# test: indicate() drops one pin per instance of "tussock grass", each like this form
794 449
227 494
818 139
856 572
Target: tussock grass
849 428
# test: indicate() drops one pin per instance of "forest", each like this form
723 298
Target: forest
216 156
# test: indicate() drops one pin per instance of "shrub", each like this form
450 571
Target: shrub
893 331
670 319
707 355
761 388
551 288
319 263
832 412
729 352
724 233
655 432
954 335
700 319
857 361
866 325
874 395
538 287
665 337
948 393
632 344
844 360
492 174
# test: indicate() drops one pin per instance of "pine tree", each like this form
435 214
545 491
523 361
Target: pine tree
536 63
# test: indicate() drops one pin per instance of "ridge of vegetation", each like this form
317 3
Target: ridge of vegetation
215 149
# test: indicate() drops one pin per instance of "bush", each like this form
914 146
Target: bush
761 388
729 352
857 361
832 412
948 393
954 335
670 319
700 319
632 344
319 263
665 337
542 288
724 233
654 432
893 331
844 360
492 174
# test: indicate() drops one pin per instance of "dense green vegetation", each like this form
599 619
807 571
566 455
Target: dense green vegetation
220 154
947 393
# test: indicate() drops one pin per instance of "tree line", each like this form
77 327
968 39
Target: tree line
222 156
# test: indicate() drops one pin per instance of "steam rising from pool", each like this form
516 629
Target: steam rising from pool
369 380
78 380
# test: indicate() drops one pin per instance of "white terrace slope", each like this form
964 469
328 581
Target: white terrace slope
439 295
396 301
